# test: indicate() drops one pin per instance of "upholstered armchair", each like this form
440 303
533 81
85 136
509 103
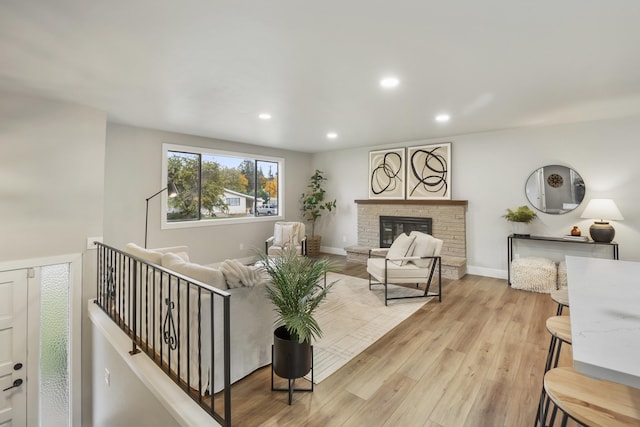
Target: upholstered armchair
287 234
411 258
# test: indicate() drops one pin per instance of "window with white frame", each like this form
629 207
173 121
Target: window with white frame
219 185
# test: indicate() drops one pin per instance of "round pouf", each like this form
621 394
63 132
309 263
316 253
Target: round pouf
534 274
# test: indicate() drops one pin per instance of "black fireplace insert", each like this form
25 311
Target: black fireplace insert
392 226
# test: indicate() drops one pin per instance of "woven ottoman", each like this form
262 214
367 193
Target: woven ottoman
562 275
534 274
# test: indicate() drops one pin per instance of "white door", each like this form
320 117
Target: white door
13 348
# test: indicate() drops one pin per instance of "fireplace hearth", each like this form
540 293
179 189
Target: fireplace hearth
392 226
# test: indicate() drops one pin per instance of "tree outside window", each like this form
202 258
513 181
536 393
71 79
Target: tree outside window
215 186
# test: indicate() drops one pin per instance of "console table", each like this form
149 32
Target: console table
525 238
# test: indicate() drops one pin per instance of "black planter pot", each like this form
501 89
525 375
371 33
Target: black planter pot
291 359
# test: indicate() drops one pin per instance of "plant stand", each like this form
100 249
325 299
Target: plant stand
313 246
292 381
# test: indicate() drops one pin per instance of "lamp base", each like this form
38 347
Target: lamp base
602 232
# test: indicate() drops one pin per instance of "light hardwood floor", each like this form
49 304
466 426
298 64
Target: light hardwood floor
475 359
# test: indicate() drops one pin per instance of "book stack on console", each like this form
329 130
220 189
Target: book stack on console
576 238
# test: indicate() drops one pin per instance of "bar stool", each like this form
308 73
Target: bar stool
561 297
560 329
590 401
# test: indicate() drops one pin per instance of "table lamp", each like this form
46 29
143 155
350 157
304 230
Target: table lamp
602 210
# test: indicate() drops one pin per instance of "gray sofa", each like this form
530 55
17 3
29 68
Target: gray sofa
251 314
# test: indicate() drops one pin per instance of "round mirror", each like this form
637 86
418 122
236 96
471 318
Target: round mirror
555 189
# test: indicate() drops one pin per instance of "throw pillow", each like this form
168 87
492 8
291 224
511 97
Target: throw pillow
277 234
295 233
425 245
181 251
147 255
170 260
206 275
400 248
287 234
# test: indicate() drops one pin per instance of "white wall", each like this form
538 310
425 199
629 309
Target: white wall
134 172
490 170
51 188
131 390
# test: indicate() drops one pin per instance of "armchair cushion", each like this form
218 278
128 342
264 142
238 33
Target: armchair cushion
400 248
408 273
286 234
424 245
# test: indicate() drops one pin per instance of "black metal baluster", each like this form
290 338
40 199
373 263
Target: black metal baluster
188 317
199 345
178 334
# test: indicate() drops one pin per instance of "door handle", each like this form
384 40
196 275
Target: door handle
16 383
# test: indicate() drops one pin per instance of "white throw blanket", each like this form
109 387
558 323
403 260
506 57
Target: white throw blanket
237 274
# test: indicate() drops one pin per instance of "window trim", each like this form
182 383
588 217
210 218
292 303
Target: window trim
166 225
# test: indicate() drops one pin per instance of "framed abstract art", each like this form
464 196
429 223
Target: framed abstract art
429 172
387 174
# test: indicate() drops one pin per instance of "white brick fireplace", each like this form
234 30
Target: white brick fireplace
449 224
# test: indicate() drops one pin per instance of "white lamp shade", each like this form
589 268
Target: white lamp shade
604 209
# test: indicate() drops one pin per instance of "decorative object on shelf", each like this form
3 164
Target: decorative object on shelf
602 210
172 192
575 231
429 172
297 288
520 219
555 189
555 180
386 174
576 238
313 204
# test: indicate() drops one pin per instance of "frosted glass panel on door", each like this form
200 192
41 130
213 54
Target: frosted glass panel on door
54 345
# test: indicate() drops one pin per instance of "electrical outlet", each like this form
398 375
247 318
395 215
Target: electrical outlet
107 377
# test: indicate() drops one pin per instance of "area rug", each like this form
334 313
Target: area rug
352 318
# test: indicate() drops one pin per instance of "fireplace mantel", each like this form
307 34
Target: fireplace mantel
412 202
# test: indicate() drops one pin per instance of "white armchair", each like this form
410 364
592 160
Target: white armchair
287 234
410 259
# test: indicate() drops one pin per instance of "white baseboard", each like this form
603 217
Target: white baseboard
487 272
334 251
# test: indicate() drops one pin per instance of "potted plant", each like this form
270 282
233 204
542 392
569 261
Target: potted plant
520 218
298 286
313 205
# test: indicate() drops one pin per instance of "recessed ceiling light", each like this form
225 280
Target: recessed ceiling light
264 116
389 82
442 118
332 135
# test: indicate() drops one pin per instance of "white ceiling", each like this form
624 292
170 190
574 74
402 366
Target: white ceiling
208 67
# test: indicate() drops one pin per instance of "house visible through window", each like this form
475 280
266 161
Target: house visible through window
215 185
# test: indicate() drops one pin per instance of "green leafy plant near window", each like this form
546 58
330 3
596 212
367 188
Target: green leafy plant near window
521 214
313 203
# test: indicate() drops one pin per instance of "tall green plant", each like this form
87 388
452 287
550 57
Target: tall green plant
296 291
313 203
